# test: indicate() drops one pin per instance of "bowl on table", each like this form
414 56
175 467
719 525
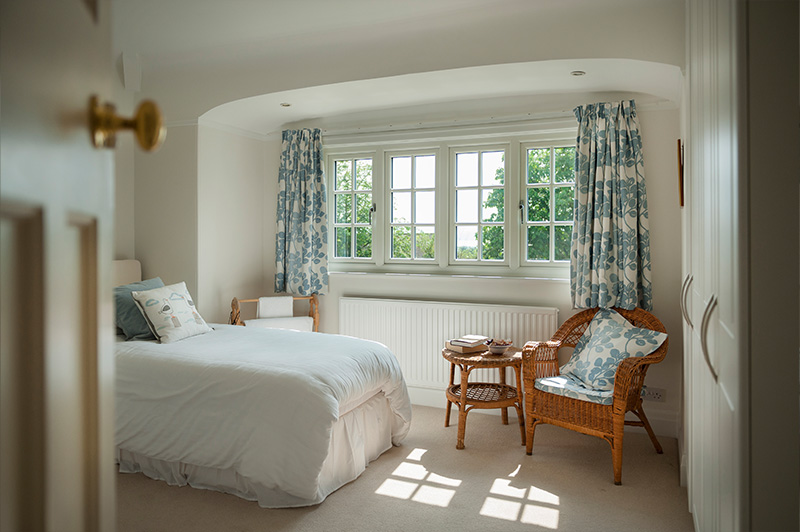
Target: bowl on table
498 347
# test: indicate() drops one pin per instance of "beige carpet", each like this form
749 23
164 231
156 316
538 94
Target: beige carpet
426 484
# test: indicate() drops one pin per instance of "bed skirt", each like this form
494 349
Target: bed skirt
357 438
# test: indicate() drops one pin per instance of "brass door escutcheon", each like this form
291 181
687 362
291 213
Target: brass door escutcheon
147 124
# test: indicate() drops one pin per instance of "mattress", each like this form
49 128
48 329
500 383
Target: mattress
276 416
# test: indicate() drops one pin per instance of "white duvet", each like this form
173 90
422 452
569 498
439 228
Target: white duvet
256 402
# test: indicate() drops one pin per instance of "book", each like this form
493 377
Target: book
470 340
462 349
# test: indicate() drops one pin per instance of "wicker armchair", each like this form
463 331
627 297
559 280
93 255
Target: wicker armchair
540 359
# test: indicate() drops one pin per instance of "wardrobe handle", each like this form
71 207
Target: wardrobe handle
687 282
712 302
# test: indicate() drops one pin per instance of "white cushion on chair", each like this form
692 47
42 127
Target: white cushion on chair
298 323
608 340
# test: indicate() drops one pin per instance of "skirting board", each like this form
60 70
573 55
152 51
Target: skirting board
664 422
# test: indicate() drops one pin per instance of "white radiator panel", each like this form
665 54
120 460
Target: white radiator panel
416 331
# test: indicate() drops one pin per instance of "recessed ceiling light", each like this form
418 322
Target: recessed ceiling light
578 73
285 104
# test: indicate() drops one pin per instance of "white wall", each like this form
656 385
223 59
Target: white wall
230 220
124 236
165 209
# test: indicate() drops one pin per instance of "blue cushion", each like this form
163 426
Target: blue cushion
129 318
569 386
608 340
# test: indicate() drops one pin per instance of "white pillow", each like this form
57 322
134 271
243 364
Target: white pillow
170 312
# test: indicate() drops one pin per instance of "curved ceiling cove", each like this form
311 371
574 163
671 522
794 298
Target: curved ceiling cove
267 113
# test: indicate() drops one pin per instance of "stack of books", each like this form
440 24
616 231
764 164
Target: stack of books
470 343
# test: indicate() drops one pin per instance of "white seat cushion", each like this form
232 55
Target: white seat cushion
297 323
569 386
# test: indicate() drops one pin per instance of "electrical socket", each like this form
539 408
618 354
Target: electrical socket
657 395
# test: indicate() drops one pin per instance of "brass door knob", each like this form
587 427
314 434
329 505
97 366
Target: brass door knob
147 124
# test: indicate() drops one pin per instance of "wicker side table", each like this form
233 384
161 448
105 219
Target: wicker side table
470 395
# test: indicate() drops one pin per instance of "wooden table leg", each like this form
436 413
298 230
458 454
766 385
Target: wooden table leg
449 402
520 410
462 412
504 410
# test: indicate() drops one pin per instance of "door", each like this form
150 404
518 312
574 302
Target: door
56 190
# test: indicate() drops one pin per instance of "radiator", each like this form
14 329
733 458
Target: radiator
416 331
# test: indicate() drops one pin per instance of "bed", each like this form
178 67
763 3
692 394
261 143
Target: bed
280 417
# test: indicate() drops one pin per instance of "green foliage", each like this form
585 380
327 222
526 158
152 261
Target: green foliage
344 175
363 242
426 245
343 241
493 247
563 237
565 200
564 165
364 174
467 252
401 242
539 242
344 208
539 165
539 204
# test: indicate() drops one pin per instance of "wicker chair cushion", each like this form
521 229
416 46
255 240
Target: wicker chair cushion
569 386
607 341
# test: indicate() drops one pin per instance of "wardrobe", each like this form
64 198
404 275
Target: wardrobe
740 296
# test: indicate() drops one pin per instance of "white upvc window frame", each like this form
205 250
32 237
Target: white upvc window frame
332 194
550 186
386 219
453 189
444 143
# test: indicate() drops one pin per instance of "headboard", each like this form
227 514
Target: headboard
126 271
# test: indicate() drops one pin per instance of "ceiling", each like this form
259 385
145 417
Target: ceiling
176 36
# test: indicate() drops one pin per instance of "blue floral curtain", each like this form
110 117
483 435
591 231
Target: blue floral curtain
610 259
301 247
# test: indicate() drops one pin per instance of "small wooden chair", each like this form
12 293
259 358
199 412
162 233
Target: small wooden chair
540 359
313 309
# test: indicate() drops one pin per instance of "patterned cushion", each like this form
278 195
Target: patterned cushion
170 313
607 341
569 386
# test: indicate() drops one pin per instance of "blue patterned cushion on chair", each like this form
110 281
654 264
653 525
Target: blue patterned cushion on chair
569 386
607 341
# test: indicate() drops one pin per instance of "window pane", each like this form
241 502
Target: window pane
364 174
539 165
344 175
401 207
493 205
493 168
363 206
342 241
363 242
344 208
539 204
401 242
426 243
467 242
565 200
467 170
539 243
425 208
493 242
426 171
401 172
467 205
563 238
565 165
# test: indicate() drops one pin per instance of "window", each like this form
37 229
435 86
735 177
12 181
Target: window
480 206
353 208
476 200
549 193
412 189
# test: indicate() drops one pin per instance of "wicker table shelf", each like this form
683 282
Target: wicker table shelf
469 395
